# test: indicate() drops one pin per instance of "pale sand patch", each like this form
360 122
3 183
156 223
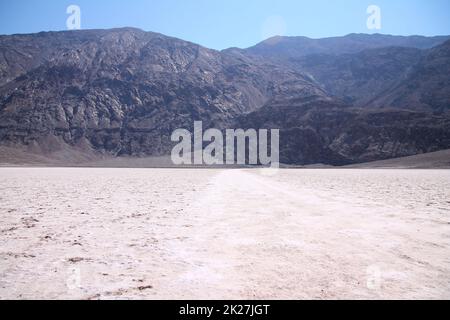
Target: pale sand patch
220 234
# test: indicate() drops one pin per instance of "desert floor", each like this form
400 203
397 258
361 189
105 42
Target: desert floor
224 234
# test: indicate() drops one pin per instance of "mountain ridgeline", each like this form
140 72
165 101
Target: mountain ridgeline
122 92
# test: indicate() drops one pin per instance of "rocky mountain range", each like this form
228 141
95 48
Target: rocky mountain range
121 92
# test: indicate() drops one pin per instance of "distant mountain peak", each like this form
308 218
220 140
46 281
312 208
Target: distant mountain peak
123 91
286 47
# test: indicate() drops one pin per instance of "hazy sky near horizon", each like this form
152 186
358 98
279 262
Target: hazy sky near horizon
221 24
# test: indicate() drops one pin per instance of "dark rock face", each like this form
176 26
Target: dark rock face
323 132
124 91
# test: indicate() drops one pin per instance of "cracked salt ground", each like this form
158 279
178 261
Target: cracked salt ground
220 234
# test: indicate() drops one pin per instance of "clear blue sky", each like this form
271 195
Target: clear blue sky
225 23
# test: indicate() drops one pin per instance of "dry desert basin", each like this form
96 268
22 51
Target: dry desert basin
97 233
